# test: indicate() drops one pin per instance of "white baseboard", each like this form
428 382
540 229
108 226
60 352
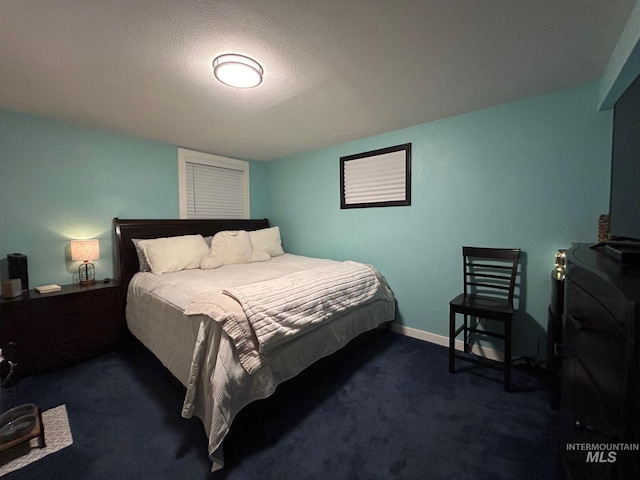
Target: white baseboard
486 352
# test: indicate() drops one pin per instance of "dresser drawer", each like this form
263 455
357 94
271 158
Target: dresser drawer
593 329
57 329
575 455
611 299
599 352
587 404
600 374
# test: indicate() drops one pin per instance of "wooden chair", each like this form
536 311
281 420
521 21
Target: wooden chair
489 283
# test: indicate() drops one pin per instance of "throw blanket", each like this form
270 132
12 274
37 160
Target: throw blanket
285 307
278 310
228 313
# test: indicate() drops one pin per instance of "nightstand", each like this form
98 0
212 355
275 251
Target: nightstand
55 329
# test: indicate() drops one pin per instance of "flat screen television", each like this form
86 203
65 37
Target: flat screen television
624 202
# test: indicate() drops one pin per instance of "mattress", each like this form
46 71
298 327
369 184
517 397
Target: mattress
203 358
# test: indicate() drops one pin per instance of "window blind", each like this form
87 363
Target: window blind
214 192
379 179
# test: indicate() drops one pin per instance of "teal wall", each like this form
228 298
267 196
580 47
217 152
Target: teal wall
532 174
260 195
59 182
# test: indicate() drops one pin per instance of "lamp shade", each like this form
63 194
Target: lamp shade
85 250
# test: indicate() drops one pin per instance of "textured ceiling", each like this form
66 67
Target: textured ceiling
335 70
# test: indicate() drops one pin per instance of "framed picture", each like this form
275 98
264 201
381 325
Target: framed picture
379 178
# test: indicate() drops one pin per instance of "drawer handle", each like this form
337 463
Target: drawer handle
580 425
560 350
70 340
583 323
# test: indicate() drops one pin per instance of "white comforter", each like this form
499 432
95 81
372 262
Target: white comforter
283 308
204 358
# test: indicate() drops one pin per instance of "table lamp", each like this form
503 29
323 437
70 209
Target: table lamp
85 251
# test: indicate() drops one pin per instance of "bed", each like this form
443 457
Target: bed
229 333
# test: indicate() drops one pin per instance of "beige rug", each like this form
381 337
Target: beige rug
57 435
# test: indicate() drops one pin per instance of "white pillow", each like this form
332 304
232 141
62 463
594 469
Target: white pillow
232 247
260 256
172 254
142 260
268 240
210 261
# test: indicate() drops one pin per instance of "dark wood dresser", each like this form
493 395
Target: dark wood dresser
44 331
600 377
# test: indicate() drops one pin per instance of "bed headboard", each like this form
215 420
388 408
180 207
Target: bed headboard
126 230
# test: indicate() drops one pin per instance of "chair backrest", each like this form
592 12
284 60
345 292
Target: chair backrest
490 271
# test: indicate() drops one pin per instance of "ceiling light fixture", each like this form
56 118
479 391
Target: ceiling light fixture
237 71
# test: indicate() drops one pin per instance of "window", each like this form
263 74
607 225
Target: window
380 178
211 186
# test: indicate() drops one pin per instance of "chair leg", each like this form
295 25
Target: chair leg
465 347
452 340
507 355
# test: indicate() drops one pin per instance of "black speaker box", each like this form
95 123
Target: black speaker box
18 269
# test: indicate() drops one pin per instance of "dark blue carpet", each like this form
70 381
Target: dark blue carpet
387 408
